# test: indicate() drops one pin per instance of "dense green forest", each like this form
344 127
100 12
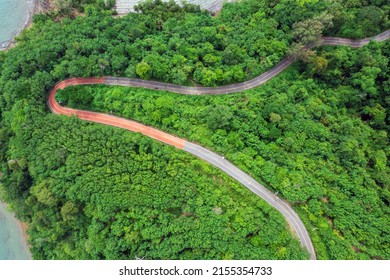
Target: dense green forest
318 134
105 193
322 145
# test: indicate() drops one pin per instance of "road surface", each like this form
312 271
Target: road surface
220 162
255 82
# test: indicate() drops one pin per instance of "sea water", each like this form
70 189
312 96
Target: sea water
12 243
14 15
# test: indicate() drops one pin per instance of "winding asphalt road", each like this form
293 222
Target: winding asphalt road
255 82
220 162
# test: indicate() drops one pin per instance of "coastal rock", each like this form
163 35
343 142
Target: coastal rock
126 6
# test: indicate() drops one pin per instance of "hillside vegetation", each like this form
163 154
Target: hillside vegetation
318 134
323 147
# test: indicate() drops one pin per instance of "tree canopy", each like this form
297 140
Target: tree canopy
317 134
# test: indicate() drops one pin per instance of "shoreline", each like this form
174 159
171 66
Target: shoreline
23 227
6 45
36 8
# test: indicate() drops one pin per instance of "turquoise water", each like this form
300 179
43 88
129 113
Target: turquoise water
12 243
14 15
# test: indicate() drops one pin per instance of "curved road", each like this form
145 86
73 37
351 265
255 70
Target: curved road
220 162
259 80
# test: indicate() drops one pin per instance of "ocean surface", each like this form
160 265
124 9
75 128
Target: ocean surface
14 15
12 243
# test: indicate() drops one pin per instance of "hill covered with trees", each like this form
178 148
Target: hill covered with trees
318 134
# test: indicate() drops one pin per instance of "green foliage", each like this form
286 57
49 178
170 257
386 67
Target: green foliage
323 147
69 8
93 192
143 70
120 195
219 117
311 29
43 194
